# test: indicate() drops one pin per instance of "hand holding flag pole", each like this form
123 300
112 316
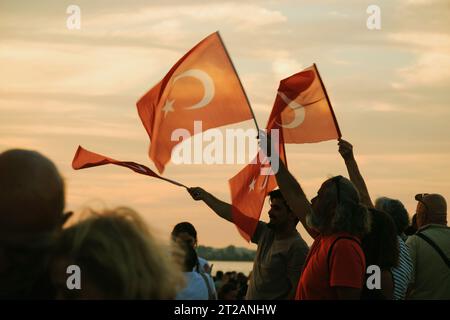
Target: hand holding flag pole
303 114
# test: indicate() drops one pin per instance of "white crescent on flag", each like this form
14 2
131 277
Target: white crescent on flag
299 112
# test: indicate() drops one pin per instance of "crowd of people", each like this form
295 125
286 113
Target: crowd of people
361 249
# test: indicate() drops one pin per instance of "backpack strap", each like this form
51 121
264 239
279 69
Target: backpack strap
210 293
330 250
435 247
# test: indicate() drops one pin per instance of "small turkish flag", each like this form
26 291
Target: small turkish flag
87 159
302 110
249 188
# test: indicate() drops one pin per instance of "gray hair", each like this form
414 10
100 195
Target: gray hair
396 210
349 215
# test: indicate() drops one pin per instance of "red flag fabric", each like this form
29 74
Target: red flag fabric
302 109
201 86
248 191
87 159
249 188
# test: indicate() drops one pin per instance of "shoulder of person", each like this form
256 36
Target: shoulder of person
334 239
191 277
425 228
412 240
414 237
435 232
433 226
202 261
262 225
260 230
347 244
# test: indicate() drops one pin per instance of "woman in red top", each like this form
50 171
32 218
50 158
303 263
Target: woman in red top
336 266
337 219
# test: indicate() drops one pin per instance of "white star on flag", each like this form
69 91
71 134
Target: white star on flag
168 107
251 187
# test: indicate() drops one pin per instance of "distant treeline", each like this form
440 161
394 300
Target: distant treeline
230 253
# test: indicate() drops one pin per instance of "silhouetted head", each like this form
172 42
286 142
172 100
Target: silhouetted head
337 208
190 257
381 244
228 291
219 275
31 210
185 232
396 210
242 278
280 215
31 195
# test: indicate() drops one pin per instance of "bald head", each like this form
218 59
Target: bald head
31 193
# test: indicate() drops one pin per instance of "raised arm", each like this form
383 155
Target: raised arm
294 196
221 208
290 188
346 151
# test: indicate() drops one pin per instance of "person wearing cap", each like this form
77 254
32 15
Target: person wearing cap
31 211
430 250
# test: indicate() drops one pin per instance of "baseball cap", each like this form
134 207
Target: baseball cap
435 203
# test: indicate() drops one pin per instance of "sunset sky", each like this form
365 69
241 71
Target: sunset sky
390 90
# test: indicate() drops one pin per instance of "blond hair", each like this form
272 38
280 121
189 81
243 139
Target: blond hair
116 251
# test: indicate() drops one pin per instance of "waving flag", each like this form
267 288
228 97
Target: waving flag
87 159
201 86
249 188
302 110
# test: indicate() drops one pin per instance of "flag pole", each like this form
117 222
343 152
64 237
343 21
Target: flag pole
240 83
283 147
173 182
329 103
